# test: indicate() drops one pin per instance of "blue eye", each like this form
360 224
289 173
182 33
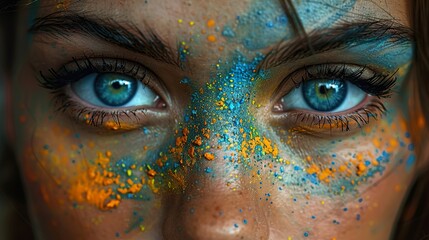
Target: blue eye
112 90
324 95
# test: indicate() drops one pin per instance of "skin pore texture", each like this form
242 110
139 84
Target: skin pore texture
221 139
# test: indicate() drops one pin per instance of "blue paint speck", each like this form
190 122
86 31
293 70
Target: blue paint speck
228 32
410 162
296 168
185 80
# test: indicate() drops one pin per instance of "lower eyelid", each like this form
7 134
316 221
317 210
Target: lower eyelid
306 122
121 120
117 121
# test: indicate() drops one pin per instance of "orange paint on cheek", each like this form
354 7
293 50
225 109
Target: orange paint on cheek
95 184
209 156
211 23
211 38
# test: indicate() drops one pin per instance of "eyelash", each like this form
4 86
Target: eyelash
378 86
56 81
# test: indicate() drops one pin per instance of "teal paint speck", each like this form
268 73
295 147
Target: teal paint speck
410 162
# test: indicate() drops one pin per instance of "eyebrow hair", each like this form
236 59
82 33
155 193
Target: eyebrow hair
63 24
346 35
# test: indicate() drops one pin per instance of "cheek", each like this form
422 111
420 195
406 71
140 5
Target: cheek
355 183
74 178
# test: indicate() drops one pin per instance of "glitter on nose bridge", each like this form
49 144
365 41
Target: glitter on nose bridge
219 118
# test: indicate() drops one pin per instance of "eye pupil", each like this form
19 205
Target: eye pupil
116 85
115 89
324 95
323 89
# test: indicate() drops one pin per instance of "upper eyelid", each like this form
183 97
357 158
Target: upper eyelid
78 68
384 81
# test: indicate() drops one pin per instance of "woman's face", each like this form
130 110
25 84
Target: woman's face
214 119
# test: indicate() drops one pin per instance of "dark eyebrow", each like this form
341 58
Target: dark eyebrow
63 24
343 36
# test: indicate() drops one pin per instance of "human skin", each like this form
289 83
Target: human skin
296 181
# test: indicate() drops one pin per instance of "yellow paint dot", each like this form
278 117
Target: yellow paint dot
191 23
129 172
211 38
211 23
179 20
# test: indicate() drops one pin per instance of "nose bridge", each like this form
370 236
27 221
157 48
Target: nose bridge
218 124
220 201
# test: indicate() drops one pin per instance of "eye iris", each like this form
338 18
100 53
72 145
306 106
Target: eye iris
324 95
114 89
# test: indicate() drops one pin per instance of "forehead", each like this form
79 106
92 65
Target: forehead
176 20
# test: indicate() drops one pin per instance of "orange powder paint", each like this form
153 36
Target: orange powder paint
211 23
198 141
209 156
248 147
360 169
211 38
95 184
323 175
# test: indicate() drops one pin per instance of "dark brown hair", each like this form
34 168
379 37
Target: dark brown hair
413 222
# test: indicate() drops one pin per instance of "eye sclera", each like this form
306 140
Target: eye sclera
72 89
298 98
373 82
134 116
376 85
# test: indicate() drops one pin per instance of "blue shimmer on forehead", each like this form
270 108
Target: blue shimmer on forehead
266 23
383 53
